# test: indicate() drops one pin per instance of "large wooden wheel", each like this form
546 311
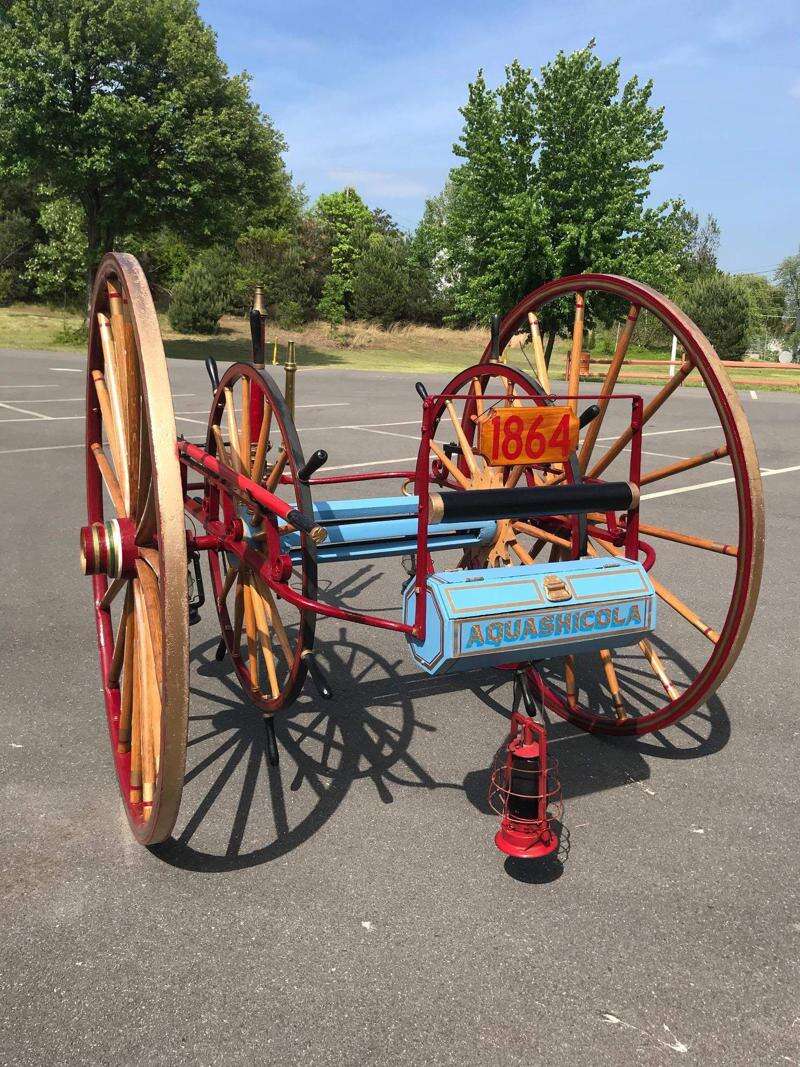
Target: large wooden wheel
251 430
135 547
661 681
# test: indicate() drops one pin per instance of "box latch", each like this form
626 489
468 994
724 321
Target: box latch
556 589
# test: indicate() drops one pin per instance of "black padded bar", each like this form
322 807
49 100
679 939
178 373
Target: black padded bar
524 503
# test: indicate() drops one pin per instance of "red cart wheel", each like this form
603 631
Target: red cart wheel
269 640
661 681
142 615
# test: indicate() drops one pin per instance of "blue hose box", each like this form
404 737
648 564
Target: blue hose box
484 618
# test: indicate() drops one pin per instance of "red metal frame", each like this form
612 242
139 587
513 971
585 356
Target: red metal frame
226 537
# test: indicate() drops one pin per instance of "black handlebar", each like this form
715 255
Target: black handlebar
480 504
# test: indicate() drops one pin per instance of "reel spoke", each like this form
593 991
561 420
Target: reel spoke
684 465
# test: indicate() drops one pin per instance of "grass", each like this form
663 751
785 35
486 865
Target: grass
356 346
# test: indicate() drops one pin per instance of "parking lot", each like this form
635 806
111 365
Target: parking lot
351 908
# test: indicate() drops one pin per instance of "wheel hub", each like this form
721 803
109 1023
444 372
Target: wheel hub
109 548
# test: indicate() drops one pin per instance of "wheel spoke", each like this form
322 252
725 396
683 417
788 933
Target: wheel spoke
684 465
152 607
265 638
107 413
477 392
464 445
542 372
613 683
114 388
569 682
148 696
658 400
277 471
275 619
118 656
261 447
152 559
109 480
668 597
135 725
449 466
574 384
227 585
238 612
127 688
541 534
250 632
110 594
222 450
233 431
522 555
657 666
607 388
686 539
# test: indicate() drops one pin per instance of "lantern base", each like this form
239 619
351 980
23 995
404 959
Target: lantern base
524 845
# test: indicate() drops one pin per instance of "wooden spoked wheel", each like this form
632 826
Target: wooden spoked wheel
707 575
135 547
251 430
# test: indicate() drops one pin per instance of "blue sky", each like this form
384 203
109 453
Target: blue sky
367 94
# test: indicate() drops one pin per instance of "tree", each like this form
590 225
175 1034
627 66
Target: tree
765 308
57 265
128 112
389 285
787 277
554 181
700 247
347 222
203 294
719 307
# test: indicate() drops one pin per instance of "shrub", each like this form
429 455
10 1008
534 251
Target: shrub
6 287
331 303
203 294
719 307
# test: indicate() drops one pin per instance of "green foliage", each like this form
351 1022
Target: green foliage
291 264
554 181
765 308
164 256
787 278
331 306
16 241
347 222
203 294
700 244
389 285
57 266
128 111
719 307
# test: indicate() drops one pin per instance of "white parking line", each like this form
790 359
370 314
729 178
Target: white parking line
64 399
709 485
23 411
69 370
372 463
39 448
661 433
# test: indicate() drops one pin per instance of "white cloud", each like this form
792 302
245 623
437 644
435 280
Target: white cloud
794 91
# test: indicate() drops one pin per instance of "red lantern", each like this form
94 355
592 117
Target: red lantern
525 792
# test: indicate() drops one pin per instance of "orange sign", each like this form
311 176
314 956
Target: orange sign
509 436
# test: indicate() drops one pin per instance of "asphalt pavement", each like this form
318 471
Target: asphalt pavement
351 908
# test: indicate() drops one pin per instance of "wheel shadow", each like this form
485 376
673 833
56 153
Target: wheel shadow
244 812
